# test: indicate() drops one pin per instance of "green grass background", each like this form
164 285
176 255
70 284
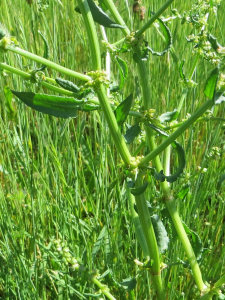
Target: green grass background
55 174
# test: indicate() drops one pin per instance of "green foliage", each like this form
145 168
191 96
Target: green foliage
137 190
46 51
62 180
122 110
169 116
181 159
63 107
210 86
132 133
160 233
67 85
100 16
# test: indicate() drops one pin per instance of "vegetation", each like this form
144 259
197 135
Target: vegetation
112 150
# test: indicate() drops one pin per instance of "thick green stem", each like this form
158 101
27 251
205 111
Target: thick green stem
170 204
101 92
113 126
92 34
48 63
150 238
176 133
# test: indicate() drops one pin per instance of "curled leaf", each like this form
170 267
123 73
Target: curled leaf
139 190
132 133
160 233
181 159
67 85
99 16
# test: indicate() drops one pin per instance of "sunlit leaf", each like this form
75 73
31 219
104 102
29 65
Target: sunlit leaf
183 192
210 86
67 85
169 116
132 133
160 233
129 283
123 70
123 110
63 107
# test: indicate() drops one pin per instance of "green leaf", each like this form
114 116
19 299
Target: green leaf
102 5
144 55
139 190
183 192
8 101
132 133
213 41
195 241
160 233
210 86
168 38
169 222
67 85
181 159
220 181
125 48
99 16
99 242
63 107
122 111
46 51
169 116
123 69
129 283
183 77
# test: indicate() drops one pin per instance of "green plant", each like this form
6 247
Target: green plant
92 95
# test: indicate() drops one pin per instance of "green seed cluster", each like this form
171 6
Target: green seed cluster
60 247
98 77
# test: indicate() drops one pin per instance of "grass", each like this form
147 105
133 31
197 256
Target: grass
55 175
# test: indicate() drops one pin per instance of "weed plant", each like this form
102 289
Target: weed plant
86 210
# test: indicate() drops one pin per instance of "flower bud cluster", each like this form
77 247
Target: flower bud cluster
67 258
98 77
203 47
109 47
198 17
